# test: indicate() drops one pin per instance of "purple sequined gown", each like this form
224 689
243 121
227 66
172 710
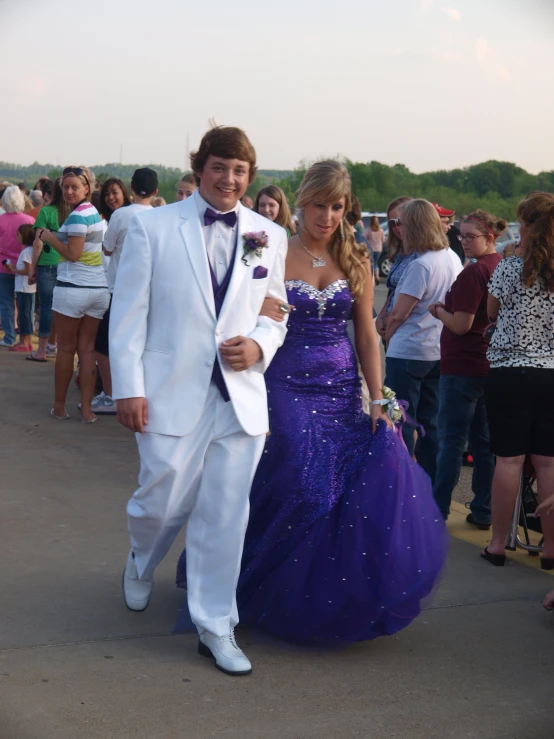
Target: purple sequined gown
344 538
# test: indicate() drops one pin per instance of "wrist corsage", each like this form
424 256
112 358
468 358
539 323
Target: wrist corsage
390 405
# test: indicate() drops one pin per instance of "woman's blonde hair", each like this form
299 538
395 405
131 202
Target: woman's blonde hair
284 217
423 229
537 213
394 244
328 182
86 176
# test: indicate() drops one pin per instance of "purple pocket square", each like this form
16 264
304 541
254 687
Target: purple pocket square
259 273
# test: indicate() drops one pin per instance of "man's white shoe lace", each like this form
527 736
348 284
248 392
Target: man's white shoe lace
230 637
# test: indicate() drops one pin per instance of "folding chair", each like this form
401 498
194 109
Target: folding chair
526 504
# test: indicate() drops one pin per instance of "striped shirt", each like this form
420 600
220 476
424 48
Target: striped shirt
85 221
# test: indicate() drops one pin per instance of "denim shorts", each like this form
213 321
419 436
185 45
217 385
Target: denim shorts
77 302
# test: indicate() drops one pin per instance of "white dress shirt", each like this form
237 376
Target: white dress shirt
219 238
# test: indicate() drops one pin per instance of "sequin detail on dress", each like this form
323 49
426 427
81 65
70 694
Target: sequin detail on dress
321 296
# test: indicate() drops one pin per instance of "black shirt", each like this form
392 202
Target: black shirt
455 243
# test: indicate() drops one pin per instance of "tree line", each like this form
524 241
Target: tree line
494 186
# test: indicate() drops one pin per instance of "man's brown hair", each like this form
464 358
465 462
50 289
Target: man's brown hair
226 142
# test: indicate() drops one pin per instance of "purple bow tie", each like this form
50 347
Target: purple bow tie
210 216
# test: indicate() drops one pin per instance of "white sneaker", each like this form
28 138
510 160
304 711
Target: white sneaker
5 343
224 650
51 350
98 398
102 403
136 593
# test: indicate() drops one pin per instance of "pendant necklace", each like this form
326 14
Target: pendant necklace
317 261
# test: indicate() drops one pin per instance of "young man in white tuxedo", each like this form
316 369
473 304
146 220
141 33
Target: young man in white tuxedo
188 350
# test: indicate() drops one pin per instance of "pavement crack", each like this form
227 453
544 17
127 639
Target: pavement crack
87 641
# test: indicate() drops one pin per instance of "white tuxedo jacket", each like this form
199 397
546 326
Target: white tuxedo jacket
164 332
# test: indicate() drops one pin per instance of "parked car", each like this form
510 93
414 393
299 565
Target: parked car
366 215
510 236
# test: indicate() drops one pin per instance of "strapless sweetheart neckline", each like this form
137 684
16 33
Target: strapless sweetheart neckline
308 284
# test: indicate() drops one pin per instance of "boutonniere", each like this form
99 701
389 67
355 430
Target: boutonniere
253 244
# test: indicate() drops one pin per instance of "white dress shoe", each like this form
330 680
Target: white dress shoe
224 650
137 593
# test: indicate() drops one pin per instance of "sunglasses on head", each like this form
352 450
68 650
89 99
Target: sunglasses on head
74 170
394 222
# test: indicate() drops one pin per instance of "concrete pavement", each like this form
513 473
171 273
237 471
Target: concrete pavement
75 664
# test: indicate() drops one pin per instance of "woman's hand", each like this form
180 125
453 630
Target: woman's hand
548 602
546 507
381 325
10 267
275 309
433 308
44 234
377 412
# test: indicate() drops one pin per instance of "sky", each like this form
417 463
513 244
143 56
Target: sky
426 83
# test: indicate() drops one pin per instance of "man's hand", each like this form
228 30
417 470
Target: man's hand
240 353
133 413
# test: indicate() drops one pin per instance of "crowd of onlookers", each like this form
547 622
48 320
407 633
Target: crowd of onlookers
61 243
468 336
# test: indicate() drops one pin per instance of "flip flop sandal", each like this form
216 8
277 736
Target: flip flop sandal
20 348
59 418
498 560
92 420
33 358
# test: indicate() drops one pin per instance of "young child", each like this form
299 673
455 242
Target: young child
24 293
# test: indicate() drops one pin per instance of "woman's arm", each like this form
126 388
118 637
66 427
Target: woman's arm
367 346
14 271
400 312
459 323
493 307
70 251
380 321
37 251
274 308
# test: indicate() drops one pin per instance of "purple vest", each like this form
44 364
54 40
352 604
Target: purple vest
220 291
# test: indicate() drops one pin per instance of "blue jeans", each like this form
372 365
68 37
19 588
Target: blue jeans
463 418
46 279
417 382
7 308
26 311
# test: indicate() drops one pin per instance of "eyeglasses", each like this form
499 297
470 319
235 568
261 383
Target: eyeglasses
394 222
79 171
468 237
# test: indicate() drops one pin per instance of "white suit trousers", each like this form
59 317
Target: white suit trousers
204 479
